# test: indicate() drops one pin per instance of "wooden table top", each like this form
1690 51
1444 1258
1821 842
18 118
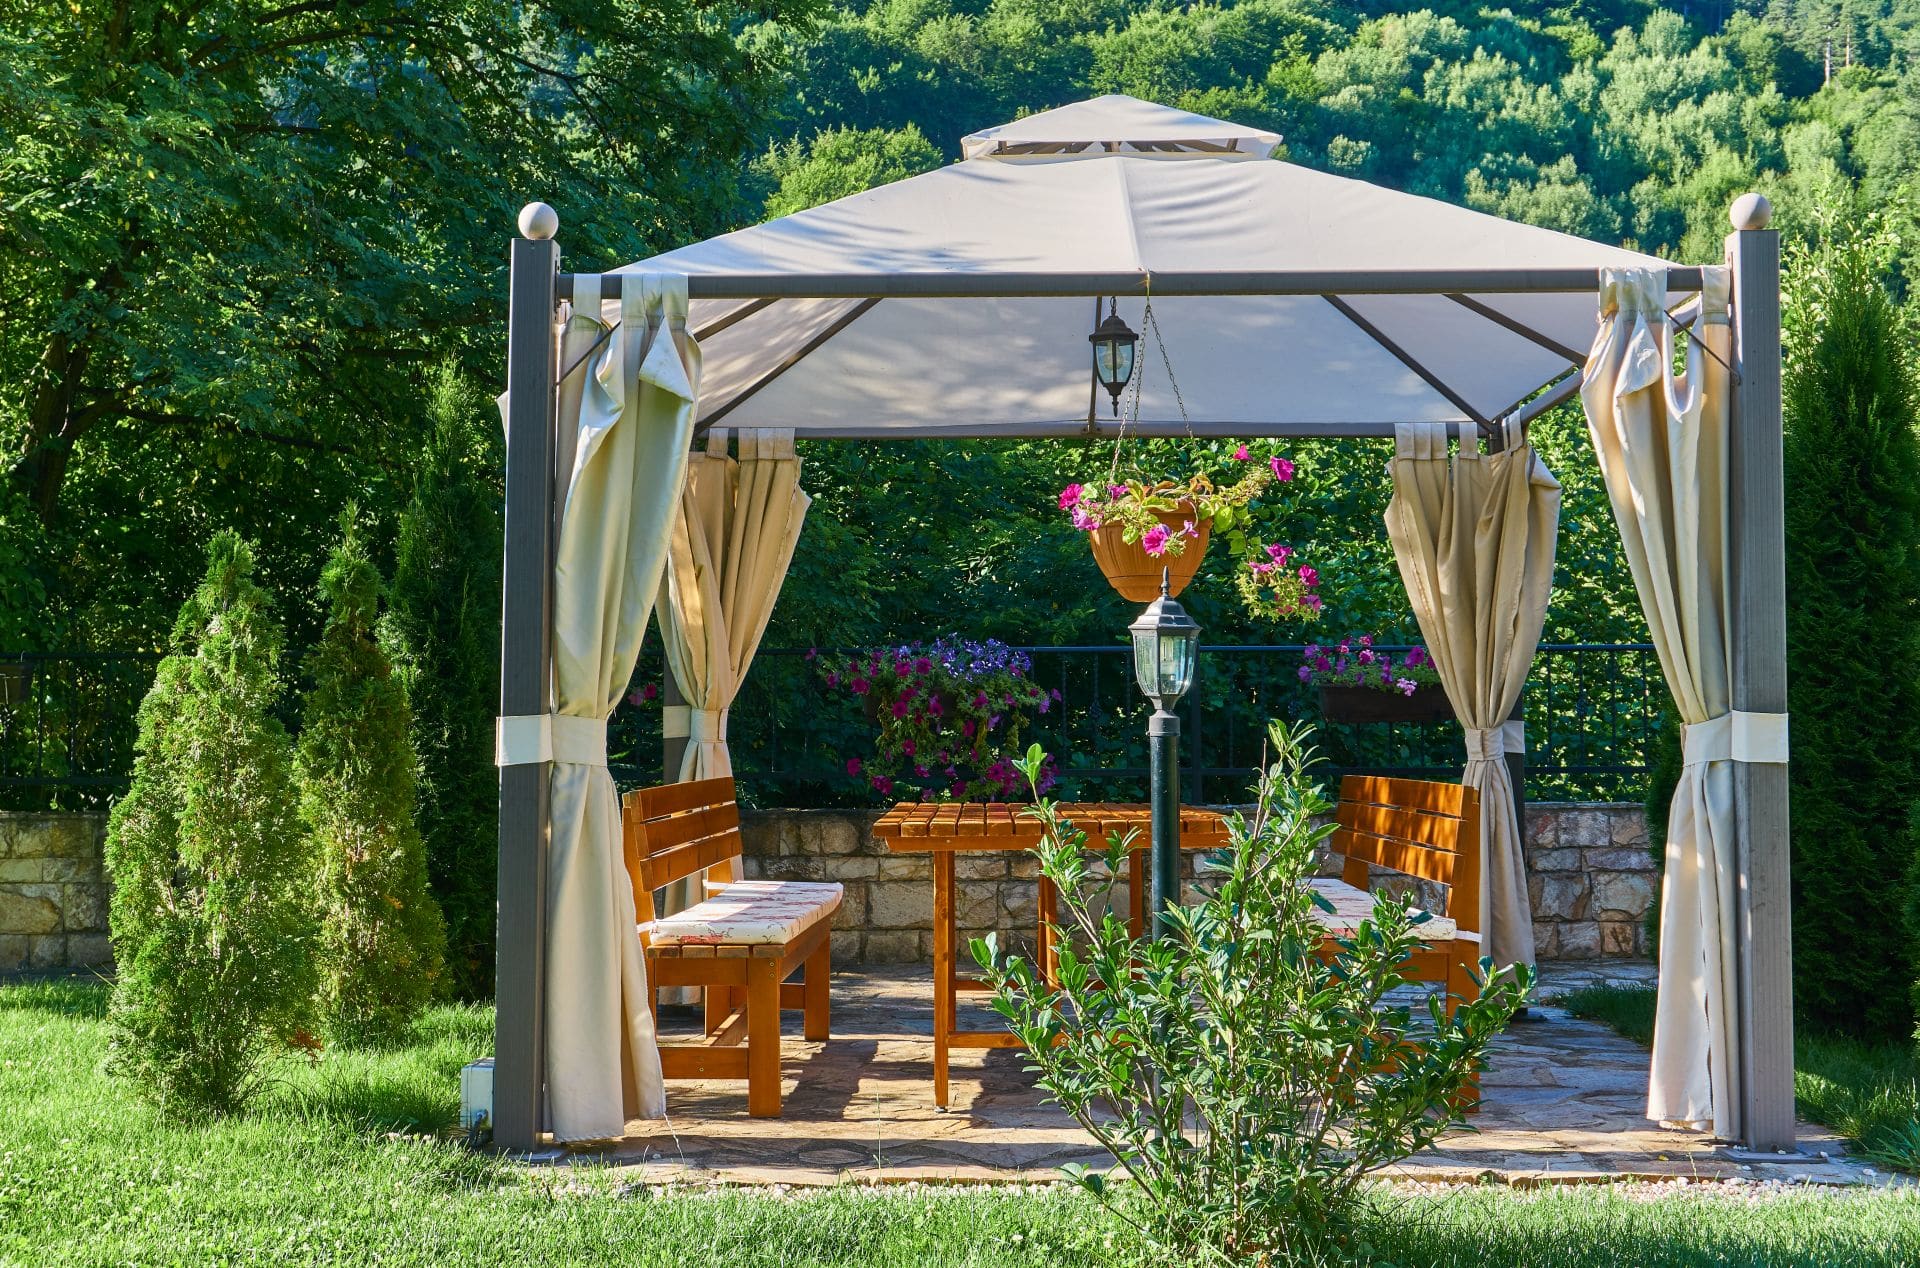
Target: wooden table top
999 825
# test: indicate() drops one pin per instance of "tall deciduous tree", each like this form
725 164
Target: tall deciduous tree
234 230
442 629
212 882
1853 594
381 937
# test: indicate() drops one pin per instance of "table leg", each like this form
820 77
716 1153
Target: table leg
1045 950
943 988
1137 893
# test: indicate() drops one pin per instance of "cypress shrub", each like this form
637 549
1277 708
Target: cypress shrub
1853 595
1663 776
212 881
442 630
381 938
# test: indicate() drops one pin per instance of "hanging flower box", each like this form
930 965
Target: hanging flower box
1427 702
1358 684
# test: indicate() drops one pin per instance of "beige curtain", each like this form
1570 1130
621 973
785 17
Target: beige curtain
739 521
1661 440
626 418
1474 536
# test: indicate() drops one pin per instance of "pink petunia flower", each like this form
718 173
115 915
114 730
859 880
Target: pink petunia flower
906 746
1241 454
1309 577
1154 540
883 785
853 766
1312 601
1069 496
900 707
860 686
1115 490
1282 469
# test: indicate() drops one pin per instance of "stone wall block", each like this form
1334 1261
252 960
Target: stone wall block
980 865
1557 860
853 906
1619 859
29 909
892 946
1629 826
977 904
89 950
905 867
1579 940
899 905
1543 825
1619 937
1562 897
1622 895
23 871
13 951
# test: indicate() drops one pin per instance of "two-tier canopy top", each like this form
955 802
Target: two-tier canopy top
1401 308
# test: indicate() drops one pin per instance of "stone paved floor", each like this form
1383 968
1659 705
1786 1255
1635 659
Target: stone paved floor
1562 1103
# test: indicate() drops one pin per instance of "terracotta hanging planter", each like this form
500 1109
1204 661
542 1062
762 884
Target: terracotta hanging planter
1134 573
1340 702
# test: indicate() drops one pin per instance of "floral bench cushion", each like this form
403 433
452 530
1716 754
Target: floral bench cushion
1351 906
749 912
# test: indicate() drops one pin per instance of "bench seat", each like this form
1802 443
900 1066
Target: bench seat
1351 905
749 913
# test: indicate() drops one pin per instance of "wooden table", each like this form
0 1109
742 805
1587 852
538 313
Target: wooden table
943 829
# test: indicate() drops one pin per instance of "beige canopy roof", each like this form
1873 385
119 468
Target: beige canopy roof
1124 187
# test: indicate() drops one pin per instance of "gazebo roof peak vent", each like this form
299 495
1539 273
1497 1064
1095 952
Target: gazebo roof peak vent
1117 124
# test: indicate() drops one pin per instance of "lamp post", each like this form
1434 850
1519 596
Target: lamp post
1165 639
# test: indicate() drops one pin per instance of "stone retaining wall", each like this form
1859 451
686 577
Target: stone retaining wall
53 900
1591 883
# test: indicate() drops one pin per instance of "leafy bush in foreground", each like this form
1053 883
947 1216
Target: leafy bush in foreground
1245 1081
210 868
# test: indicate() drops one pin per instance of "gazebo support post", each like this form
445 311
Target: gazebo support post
673 748
526 657
1757 554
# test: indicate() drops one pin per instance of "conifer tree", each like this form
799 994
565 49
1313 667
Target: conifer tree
382 943
1853 595
442 630
212 883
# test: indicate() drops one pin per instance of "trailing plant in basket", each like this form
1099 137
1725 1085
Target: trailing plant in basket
950 714
1353 662
1273 582
1244 1080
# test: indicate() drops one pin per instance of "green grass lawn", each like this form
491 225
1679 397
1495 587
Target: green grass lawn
1867 1092
338 1166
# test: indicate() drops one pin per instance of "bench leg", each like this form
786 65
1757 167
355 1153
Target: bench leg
720 1003
763 1037
819 965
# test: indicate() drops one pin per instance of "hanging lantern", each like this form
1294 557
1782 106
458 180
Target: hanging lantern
1113 343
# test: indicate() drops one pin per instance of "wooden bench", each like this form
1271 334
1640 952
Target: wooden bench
1421 829
739 944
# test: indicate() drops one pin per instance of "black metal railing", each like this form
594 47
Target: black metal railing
1592 711
68 721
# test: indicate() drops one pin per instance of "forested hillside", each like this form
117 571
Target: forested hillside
233 241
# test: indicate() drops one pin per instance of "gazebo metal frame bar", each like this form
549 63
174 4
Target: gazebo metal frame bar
1757 584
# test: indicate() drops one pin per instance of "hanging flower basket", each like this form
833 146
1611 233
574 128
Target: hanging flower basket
1426 703
1135 572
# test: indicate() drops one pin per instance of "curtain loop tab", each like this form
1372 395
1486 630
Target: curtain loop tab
707 726
524 739
1735 736
579 741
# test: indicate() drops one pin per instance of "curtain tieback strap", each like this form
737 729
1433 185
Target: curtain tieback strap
529 738
698 726
1735 737
1487 744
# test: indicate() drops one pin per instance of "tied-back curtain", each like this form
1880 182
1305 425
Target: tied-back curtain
738 524
624 427
1661 440
1474 536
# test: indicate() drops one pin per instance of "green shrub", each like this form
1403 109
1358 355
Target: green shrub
1663 776
1853 587
1245 1085
382 942
212 882
442 630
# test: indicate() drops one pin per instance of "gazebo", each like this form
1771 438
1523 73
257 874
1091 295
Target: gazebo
1293 303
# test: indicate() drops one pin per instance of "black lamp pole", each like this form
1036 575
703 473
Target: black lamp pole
1165 640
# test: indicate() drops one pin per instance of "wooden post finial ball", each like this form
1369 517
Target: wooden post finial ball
1751 211
539 222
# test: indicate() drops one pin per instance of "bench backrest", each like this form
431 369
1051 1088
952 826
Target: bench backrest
676 830
1415 827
